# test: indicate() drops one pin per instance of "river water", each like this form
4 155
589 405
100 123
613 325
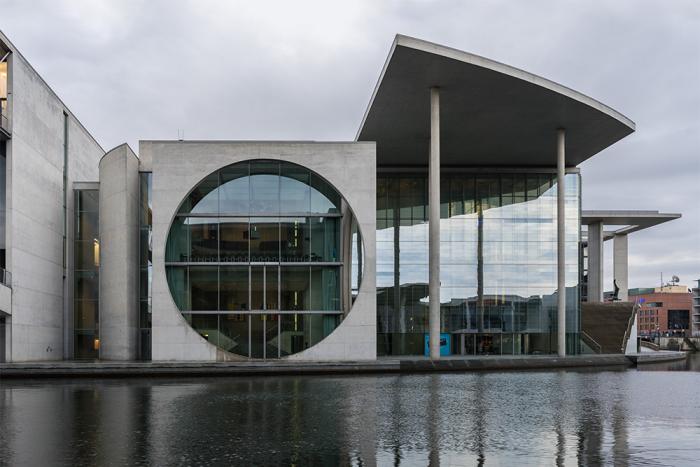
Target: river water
630 417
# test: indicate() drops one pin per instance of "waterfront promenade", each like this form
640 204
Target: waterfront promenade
286 367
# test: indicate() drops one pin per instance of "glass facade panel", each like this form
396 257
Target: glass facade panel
324 198
257 287
207 325
204 199
294 288
233 240
294 188
294 239
233 288
264 239
257 336
233 333
498 262
264 188
324 239
273 233
204 288
86 264
325 289
234 192
204 239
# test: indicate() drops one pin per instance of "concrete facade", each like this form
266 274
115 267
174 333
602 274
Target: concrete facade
595 262
49 153
39 232
620 266
179 166
119 245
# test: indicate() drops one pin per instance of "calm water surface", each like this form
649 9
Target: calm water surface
634 417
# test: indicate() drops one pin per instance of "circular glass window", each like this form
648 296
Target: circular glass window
264 258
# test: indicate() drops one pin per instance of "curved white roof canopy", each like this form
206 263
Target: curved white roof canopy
491 114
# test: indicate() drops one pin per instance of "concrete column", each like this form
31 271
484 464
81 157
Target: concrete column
119 254
620 265
561 243
595 262
434 225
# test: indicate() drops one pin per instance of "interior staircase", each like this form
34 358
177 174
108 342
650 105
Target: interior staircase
606 324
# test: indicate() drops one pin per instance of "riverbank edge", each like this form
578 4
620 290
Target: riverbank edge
70 369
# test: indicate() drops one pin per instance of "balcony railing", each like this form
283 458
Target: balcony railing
5 277
4 122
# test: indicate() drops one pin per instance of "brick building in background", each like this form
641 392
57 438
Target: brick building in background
664 309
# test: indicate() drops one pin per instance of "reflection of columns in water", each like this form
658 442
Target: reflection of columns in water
590 433
480 265
559 415
480 419
359 429
621 452
434 422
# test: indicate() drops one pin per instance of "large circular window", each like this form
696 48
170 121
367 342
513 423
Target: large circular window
264 258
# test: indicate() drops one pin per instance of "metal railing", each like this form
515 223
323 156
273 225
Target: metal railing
628 331
5 277
590 342
4 122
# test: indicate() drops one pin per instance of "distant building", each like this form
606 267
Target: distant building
664 310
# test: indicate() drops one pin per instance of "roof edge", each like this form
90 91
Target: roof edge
401 40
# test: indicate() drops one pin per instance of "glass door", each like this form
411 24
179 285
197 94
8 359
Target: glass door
264 327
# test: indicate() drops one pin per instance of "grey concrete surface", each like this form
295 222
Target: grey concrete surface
179 166
287 367
119 242
493 114
561 242
40 327
595 262
434 226
620 265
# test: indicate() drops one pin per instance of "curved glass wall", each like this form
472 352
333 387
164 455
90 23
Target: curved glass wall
498 263
264 258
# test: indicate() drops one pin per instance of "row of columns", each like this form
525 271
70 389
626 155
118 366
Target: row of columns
434 233
596 239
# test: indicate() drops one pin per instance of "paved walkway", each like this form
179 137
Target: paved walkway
287 367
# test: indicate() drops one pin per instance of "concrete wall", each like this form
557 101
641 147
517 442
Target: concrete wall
119 250
41 322
179 166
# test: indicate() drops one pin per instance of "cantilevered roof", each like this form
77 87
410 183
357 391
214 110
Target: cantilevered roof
631 221
491 114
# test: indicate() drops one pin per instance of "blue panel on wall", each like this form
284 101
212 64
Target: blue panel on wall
444 344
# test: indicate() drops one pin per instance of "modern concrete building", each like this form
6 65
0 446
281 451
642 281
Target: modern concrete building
623 223
452 224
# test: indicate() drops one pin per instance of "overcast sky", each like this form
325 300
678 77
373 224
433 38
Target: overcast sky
133 70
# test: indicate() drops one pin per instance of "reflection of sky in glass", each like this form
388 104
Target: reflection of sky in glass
519 245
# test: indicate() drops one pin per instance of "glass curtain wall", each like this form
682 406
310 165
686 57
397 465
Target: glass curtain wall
145 264
498 269
86 267
253 258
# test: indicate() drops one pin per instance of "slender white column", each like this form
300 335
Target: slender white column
620 265
434 225
561 244
595 262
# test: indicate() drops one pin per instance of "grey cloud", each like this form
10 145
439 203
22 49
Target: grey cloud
305 70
